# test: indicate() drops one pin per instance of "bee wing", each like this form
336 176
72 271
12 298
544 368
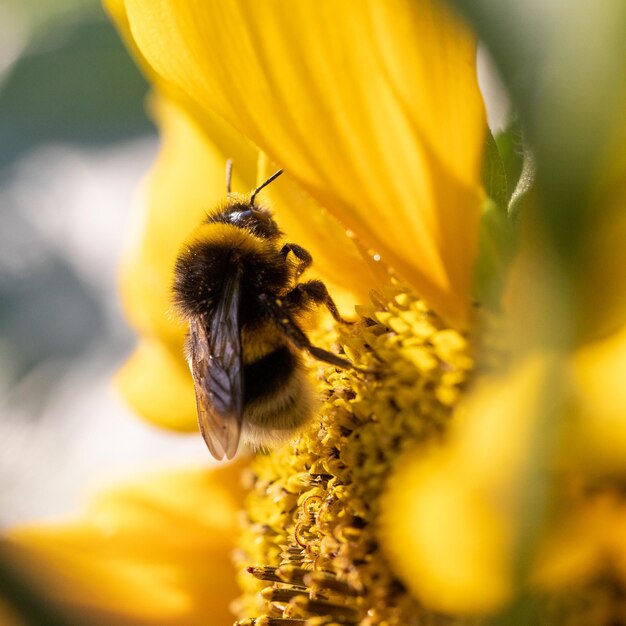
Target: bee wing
216 365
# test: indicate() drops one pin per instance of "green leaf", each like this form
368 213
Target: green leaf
510 143
508 167
494 173
497 245
525 183
518 163
505 187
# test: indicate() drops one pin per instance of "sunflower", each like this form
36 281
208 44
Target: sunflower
470 468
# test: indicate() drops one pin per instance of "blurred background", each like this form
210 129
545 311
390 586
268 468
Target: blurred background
74 144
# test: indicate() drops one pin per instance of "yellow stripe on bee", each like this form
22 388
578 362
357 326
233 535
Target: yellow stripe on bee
230 235
260 341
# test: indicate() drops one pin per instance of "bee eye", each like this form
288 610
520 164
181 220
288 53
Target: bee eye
238 216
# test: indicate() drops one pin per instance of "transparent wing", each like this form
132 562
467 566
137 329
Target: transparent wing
214 346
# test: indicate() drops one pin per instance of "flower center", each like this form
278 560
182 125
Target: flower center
309 549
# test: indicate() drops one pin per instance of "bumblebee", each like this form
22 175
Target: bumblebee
239 290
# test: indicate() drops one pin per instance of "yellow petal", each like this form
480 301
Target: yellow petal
598 425
452 517
373 108
587 541
336 259
187 180
157 385
155 551
444 541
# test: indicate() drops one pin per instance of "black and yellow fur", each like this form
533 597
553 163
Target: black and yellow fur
271 303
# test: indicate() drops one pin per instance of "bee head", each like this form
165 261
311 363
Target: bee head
258 220
246 215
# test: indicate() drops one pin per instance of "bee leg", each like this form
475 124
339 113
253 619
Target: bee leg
315 291
300 253
297 336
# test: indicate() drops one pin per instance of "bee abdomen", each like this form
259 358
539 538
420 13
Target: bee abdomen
278 399
267 375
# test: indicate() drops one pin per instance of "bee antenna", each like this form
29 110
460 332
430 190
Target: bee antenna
229 175
274 176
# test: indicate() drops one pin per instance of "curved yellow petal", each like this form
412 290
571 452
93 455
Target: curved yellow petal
373 107
444 540
155 381
336 258
187 180
452 517
155 551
